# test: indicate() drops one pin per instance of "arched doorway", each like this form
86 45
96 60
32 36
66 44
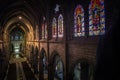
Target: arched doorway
58 68
21 47
80 71
11 48
31 55
35 66
44 65
77 72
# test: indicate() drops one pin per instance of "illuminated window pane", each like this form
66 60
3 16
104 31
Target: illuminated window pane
16 37
79 29
54 28
96 17
43 30
60 26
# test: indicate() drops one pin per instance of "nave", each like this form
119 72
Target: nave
19 69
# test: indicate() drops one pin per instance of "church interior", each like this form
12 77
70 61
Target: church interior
53 39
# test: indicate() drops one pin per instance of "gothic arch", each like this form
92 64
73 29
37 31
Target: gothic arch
35 66
43 62
42 52
56 67
79 70
32 55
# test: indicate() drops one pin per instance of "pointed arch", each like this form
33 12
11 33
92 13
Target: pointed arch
36 50
96 17
32 55
57 66
36 60
79 29
46 33
80 70
60 26
43 64
44 29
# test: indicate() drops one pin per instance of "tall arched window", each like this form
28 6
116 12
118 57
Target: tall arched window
60 26
44 29
79 29
46 34
45 64
54 28
96 17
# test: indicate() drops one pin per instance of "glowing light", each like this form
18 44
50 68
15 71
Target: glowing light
16 50
17 55
20 17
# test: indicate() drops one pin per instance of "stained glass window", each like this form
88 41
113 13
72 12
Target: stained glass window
37 32
79 29
43 31
96 17
16 37
54 28
60 26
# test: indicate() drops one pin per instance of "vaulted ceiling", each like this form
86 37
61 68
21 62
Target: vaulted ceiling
29 9
27 13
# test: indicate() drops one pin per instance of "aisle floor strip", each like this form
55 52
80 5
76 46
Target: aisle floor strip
20 71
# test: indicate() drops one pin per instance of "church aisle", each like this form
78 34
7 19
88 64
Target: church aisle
19 69
28 73
20 72
12 72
